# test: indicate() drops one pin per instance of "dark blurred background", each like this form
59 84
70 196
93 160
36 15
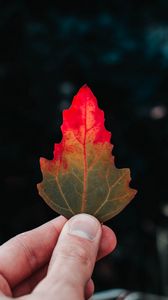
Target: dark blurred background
48 50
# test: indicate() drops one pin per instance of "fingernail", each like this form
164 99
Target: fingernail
84 226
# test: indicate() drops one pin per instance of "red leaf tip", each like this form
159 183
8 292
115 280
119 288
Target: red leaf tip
85 118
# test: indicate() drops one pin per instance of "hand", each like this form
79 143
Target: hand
55 260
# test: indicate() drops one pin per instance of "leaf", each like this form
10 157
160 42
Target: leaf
82 176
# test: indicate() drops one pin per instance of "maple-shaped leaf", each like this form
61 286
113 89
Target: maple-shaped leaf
82 176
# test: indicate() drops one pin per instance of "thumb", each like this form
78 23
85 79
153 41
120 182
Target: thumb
75 254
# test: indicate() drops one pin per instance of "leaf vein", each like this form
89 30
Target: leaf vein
53 203
73 173
108 194
63 196
118 209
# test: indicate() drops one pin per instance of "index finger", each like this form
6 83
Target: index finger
21 256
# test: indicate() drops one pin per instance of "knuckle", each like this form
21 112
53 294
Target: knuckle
78 253
4 286
28 251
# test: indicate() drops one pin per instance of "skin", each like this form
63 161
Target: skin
53 261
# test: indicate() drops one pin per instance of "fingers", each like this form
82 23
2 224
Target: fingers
108 242
77 247
27 286
27 252
4 287
107 245
89 290
73 258
31 250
